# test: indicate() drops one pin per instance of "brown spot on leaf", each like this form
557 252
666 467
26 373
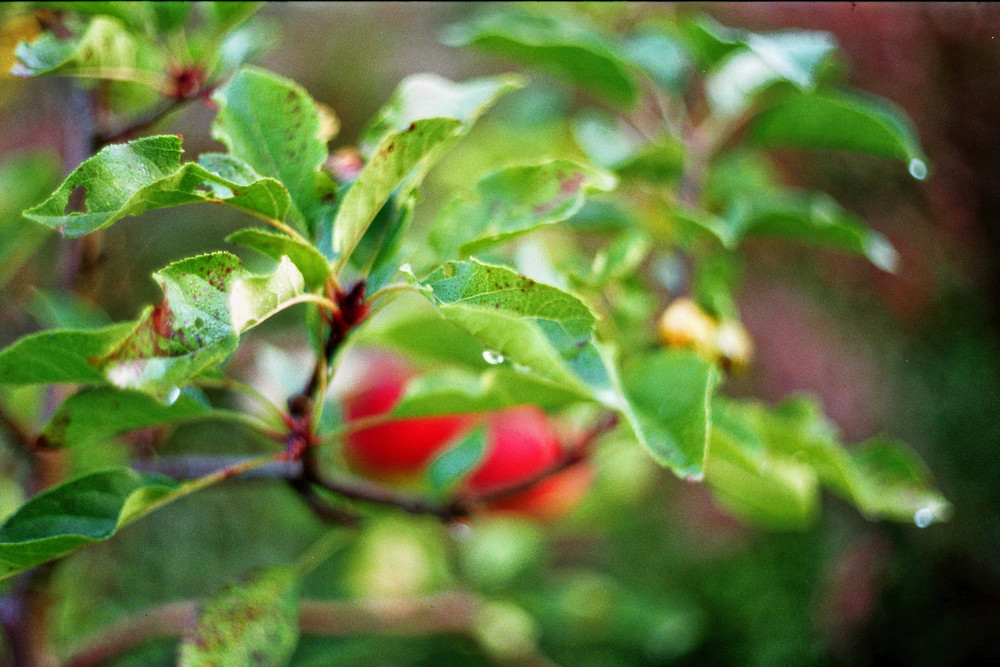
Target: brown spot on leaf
572 184
162 320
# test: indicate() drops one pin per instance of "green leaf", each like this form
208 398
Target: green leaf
100 413
708 40
777 493
137 16
65 310
146 174
90 508
671 393
423 96
536 325
52 357
892 482
227 15
395 158
446 472
514 201
209 301
170 16
442 391
582 55
612 145
841 122
243 44
273 125
659 52
413 326
383 239
24 181
533 327
792 447
813 217
250 623
106 50
794 57
257 195
755 205
309 261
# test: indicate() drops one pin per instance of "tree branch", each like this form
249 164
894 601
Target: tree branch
444 613
170 620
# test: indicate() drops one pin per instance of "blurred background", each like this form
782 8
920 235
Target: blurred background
914 354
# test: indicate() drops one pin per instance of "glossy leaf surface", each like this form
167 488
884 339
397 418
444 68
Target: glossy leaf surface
87 509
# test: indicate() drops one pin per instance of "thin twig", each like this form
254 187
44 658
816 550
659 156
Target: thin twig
141 125
170 620
453 612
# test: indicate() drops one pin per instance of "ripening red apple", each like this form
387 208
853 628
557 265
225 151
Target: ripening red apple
401 446
520 444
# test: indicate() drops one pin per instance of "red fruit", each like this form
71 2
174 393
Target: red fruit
402 446
521 445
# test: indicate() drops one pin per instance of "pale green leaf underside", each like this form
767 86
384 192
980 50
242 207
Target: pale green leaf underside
795 57
535 328
456 390
146 174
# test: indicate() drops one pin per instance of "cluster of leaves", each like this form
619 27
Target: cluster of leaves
500 305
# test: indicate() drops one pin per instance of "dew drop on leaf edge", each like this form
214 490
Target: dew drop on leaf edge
492 357
924 517
172 395
918 169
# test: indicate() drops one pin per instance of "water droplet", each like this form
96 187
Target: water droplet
460 531
492 357
924 517
406 268
918 169
881 253
172 395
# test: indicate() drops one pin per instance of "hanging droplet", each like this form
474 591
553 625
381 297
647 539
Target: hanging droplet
918 169
172 395
924 517
492 357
